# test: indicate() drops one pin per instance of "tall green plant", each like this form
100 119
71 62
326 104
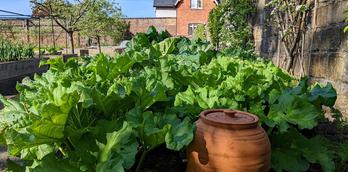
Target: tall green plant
104 19
200 32
10 51
215 25
228 24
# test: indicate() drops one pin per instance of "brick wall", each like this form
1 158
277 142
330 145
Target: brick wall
326 51
186 15
19 31
142 24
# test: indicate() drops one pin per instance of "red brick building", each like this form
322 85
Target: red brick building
189 13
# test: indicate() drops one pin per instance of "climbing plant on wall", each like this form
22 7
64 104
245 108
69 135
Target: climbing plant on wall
228 24
290 17
200 32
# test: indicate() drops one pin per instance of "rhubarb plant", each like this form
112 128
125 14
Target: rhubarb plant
106 114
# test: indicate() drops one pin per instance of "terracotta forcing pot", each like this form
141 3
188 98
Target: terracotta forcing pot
229 141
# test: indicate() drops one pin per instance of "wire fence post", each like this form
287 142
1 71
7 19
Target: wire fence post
39 38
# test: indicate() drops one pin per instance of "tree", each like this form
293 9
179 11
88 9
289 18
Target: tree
66 13
291 20
104 19
215 25
229 25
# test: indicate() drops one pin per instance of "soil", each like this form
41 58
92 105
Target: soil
3 158
164 160
158 160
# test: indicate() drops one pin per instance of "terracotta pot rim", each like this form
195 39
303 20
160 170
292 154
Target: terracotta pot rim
245 125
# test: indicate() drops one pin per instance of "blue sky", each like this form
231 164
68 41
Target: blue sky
130 8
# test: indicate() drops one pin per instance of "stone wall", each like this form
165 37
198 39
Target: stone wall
142 24
326 47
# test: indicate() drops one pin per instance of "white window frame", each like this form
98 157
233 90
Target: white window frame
196 4
193 27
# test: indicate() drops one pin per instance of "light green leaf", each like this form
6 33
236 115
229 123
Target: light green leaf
53 164
121 145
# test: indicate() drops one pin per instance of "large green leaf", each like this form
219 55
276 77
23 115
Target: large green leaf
292 109
288 160
53 164
323 95
12 166
148 127
293 152
14 113
121 146
180 134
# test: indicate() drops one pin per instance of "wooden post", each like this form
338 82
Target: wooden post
39 37
79 39
28 32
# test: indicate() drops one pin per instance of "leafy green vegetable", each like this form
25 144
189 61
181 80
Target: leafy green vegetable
103 113
294 152
120 148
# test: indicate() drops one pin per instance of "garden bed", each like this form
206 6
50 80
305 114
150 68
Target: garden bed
137 111
14 71
68 56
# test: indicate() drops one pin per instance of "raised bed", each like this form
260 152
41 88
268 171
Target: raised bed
14 71
68 56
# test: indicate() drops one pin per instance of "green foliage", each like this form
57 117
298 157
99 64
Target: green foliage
104 19
200 33
100 114
142 41
10 51
73 15
228 24
52 50
214 25
293 152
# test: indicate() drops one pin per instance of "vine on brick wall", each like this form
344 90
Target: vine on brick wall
200 32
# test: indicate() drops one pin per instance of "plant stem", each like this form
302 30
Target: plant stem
62 151
142 159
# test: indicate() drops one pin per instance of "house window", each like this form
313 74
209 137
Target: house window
191 28
196 4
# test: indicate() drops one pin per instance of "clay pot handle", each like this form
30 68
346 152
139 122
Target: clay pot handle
230 113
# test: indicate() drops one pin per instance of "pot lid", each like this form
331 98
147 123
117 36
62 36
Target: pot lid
230 118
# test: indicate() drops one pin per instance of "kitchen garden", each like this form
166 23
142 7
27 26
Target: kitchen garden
136 111
110 114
